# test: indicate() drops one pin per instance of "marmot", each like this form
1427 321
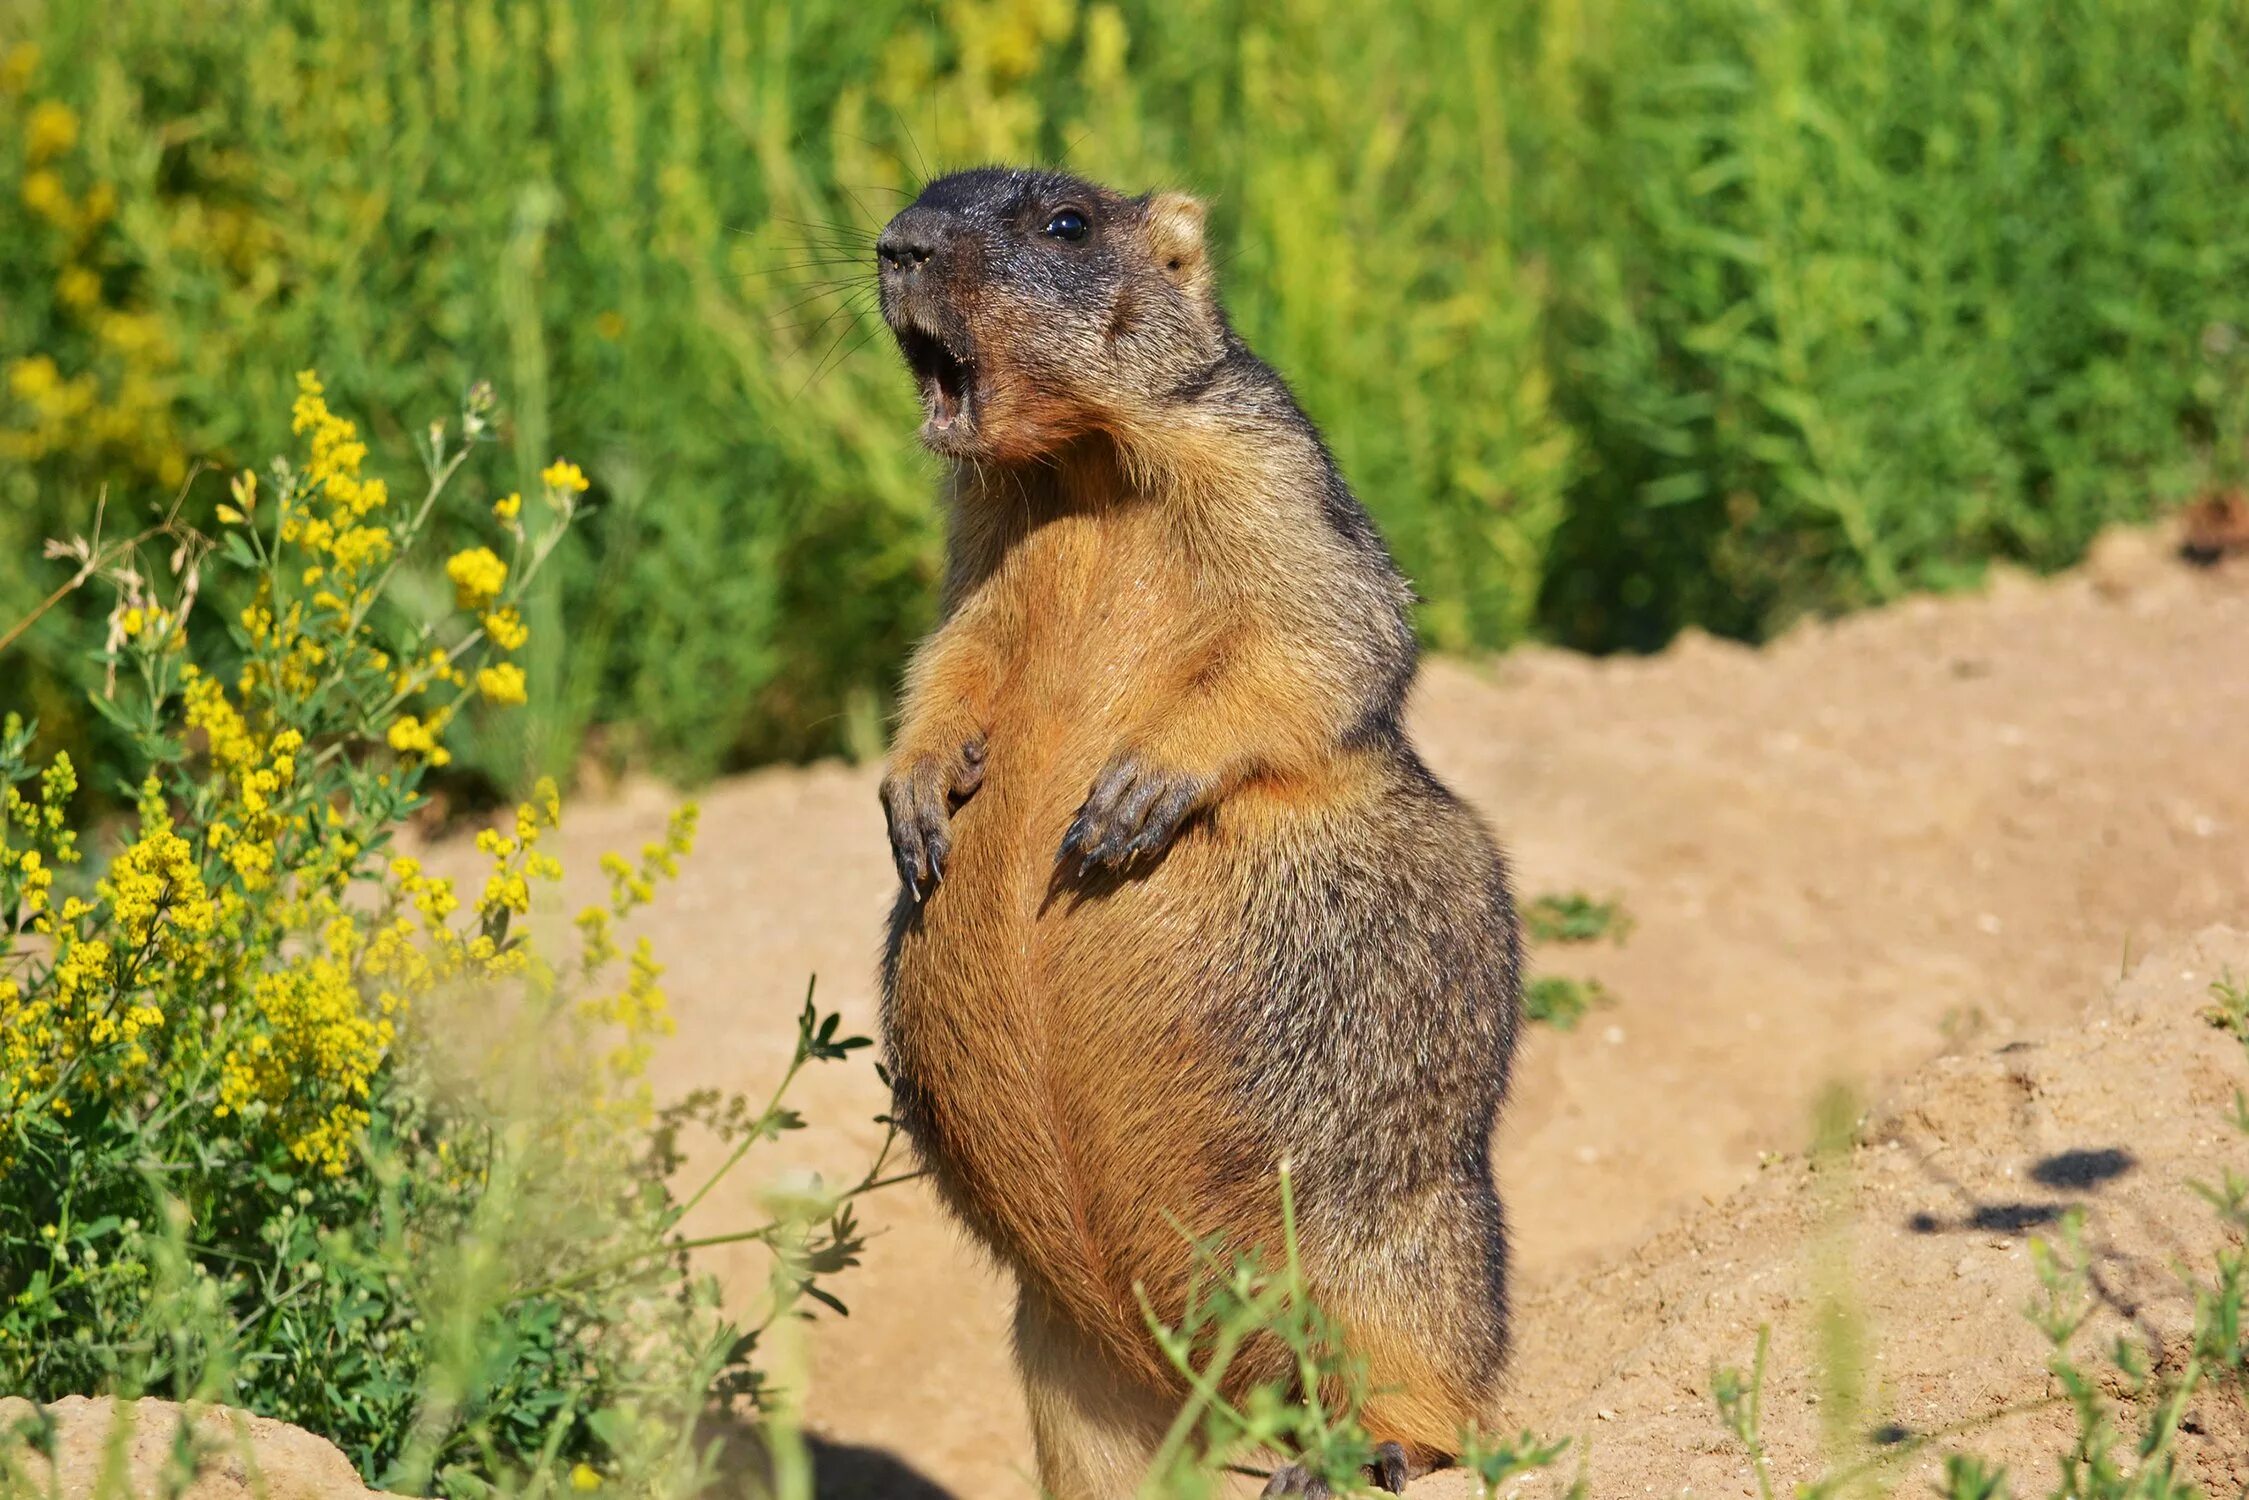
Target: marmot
1179 900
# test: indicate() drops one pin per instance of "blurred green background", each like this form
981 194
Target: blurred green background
1622 315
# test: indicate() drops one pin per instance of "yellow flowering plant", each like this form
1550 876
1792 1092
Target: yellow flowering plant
292 1118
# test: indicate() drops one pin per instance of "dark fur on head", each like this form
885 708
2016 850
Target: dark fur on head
1033 306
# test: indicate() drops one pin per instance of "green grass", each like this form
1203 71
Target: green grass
2229 1006
1564 919
1561 1002
1574 917
1622 314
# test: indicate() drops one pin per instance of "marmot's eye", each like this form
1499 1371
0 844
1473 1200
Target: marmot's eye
1069 225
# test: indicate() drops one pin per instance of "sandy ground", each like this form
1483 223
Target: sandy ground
1905 852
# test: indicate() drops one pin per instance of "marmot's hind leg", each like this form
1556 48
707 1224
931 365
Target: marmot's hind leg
1095 1432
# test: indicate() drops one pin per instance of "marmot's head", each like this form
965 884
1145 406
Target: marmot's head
1033 307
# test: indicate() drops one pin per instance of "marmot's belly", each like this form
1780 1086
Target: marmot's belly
1056 1041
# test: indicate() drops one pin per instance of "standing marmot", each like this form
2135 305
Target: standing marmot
1179 898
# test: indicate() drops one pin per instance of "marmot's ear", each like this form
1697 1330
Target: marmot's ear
1175 238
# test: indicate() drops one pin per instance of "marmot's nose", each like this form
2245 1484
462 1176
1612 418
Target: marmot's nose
913 238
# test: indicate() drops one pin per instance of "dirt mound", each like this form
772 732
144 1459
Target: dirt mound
1927 830
1912 1245
234 1455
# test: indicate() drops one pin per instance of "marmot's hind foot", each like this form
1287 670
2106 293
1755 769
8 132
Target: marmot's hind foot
1295 1479
1389 1469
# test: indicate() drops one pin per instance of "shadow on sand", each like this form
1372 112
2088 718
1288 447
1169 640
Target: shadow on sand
840 1471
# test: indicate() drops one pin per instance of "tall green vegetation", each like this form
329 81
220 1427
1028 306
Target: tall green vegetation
1622 314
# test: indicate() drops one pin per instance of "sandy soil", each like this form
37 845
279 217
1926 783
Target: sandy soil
1905 852
1917 1238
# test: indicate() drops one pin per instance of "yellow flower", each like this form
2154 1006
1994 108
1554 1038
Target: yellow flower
78 288
507 629
316 1044
49 131
597 942
584 1477
562 475
410 736
17 65
508 509
129 333
478 576
42 193
336 456
33 377
359 548
228 736
502 684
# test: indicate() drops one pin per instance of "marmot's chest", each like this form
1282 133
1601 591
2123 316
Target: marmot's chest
1103 612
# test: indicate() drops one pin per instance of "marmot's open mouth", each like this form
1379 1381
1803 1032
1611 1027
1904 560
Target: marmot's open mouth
948 379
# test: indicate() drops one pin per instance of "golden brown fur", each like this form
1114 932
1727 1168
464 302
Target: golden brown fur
1178 898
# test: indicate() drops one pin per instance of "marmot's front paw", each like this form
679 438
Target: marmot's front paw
918 797
1134 808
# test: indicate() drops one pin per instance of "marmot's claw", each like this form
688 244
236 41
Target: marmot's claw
916 842
1133 809
1073 837
1295 1479
917 802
